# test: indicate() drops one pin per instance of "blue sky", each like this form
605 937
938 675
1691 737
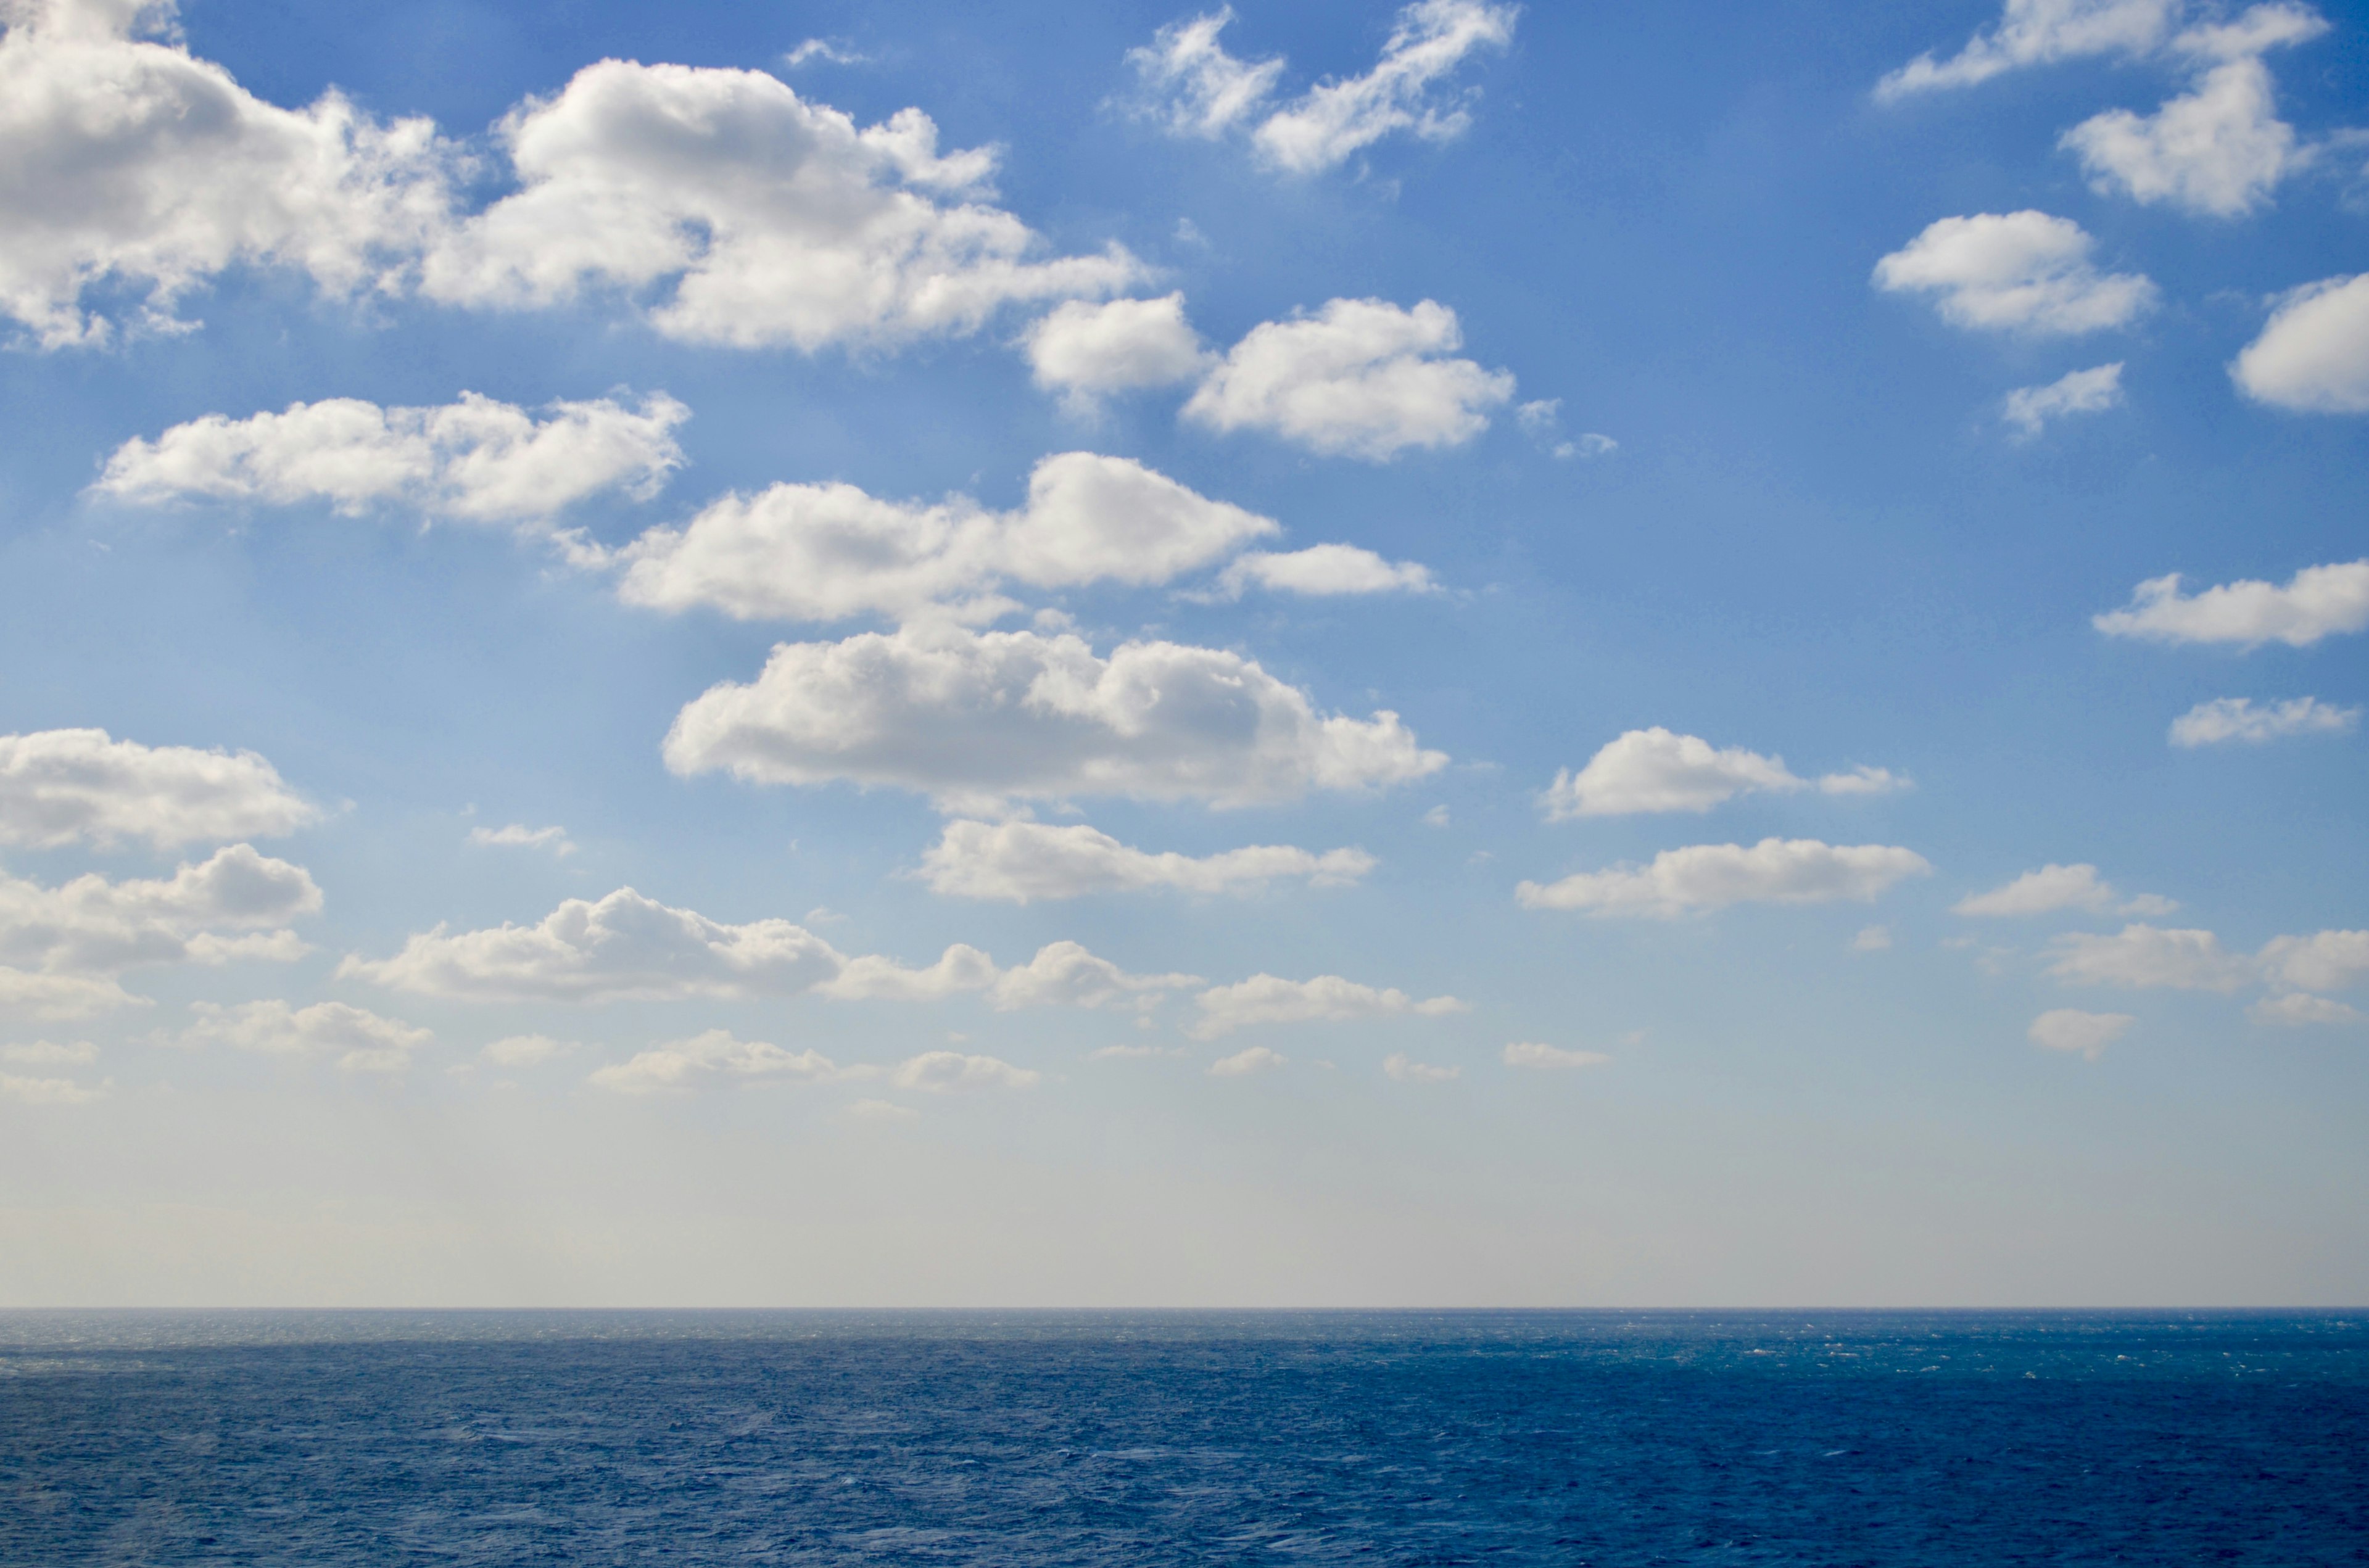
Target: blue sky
1320 655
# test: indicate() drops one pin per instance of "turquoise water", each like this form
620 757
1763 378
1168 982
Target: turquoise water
1520 1437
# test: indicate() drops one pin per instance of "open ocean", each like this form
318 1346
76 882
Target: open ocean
1939 1440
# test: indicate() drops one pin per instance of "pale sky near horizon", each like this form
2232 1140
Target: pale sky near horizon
909 654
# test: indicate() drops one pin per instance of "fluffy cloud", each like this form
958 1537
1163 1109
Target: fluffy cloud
828 551
131 166
1242 1063
1657 770
362 1041
1064 974
1360 377
46 1091
681 1064
1086 350
2028 408
2226 719
518 835
527 1050
981 717
50 1053
1324 571
61 785
1530 1053
2054 888
2146 957
2318 601
476 459
1020 861
29 994
1713 877
1195 88
2085 1034
2037 32
951 1072
92 927
2328 960
2216 150
1402 1068
2015 271
2313 354
1266 998
2294 1010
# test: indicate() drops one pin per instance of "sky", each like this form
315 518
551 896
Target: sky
1305 655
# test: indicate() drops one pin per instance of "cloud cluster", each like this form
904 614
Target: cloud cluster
1658 770
1195 88
2313 353
2141 956
360 1040
1267 999
2039 32
2318 601
2227 719
2030 408
718 1055
2054 887
1088 351
1713 877
2015 272
61 786
518 835
2082 1033
979 718
1022 861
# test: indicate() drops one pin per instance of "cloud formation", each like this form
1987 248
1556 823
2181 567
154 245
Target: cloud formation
2297 1011
2030 408
2327 960
2318 601
1361 378
1531 1054
1713 877
1088 351
1022 861
1323 571
2227 719
2015 272
1242 1063
980 718
715 1053
360 1040
235 904
1266 999
2040 32
953 1072
2054 887
518 835
2313 353
2082 1033
2143 957
62 786
1658 770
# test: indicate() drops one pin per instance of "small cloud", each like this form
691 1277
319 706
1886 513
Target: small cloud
528 1051
881 1111
824 50
2084 1034
48 1053
1437 817
1403 1070
823 914
1871 939
1530 1053
1241 1064
2236 719
1127 1053
2030 408
2298 1009
1543 422
518 835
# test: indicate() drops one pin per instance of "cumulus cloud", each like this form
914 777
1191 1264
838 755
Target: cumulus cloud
1361 378
1324 571
58 786
1658 770
951 1072
518 835
1022 860
2327 960
222 908
1403 1069
39 997
2039 32
828 551
2295 1010
2313 354
2318 601
2226 719
1242 1063
970 717
1086 351
1713 877
2030 408
1530 1053
684 1064
362 1041
527 1050
2083 1033
1064 974
50 1053
2015 272
2054 887
476 461
1195 87
2145 958
1266 998
46 1091
2216 150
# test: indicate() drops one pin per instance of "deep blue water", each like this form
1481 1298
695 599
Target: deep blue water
1546 1438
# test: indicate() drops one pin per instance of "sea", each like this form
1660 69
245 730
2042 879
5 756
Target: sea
1939 1440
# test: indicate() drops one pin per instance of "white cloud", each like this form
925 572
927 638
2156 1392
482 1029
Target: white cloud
2295 1010
39 997
2028 408
1064 974
1543 422
50 1053
2085 1034
1530 1053
951 1072
2327 960
92 927
518 835
132 166
1402 1069
1657 770
978 718
1087 350
1241 1064
362 1041
1195 88
1362 378
2313 354
1324 570
1266 998
46 1091
882 1111
2039 32
528 1051
683 1064
1713 877
828 551
2218 149
2226 719
1022 860
1872 939
2054 887
2146 957
2015 271
61 785
2318 601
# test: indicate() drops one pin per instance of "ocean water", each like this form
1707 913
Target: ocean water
1937 1440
